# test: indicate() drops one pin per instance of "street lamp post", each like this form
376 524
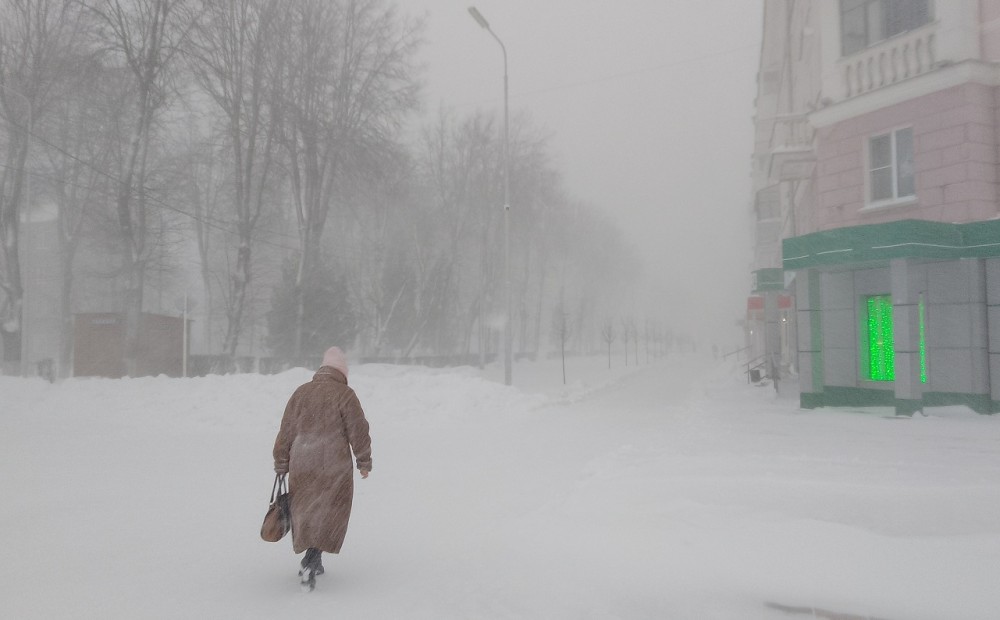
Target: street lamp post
27 247
508 330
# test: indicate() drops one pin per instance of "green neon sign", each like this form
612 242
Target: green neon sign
881 354
881 350
923 344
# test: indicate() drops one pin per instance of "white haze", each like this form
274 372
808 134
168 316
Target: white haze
650 107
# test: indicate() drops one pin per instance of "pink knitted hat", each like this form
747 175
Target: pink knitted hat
335 357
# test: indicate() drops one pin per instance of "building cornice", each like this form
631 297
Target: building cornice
944 77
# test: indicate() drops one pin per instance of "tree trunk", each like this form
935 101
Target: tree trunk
238 282
12 324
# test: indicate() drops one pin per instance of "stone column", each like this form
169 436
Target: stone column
809 338
979 347
993 330
906 335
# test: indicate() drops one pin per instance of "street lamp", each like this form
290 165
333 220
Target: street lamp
27 246
508 332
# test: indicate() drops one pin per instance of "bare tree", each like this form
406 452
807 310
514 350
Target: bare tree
561 330
204 189
461 167
626 333
633 327
537 201
608 335
347 81
231 51
79 155
378 204
145 36
37 39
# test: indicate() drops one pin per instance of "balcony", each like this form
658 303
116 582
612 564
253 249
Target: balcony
791 157
896 59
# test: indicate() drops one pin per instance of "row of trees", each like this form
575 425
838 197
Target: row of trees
259 148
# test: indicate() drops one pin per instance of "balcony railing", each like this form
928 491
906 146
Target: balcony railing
791 156
792 132
890 61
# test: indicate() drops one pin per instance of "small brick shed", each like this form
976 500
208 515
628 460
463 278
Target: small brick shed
99 345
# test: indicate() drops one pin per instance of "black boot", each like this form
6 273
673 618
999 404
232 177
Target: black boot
314 560
312 566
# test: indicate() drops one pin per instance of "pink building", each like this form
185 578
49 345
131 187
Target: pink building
877 204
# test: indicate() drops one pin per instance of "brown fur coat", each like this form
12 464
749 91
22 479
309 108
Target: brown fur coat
323 423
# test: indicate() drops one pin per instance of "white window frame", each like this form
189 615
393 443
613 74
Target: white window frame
895 199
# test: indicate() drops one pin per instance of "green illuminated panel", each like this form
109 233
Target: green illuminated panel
881 355
923 345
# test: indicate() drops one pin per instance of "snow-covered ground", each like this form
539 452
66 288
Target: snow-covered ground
671 490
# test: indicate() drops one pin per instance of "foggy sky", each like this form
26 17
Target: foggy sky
650 107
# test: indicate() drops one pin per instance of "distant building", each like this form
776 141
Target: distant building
875 167
99 345
79 333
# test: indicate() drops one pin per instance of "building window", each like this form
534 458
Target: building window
866 22
890 166
881 355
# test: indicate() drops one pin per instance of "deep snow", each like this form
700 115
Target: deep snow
671 490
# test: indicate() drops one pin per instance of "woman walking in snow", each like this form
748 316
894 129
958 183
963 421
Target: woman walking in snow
322 424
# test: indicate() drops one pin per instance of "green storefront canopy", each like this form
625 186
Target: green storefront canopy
902 239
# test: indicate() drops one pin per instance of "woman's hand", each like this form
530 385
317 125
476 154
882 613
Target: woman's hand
364 473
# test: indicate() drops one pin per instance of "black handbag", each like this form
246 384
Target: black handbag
278 520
